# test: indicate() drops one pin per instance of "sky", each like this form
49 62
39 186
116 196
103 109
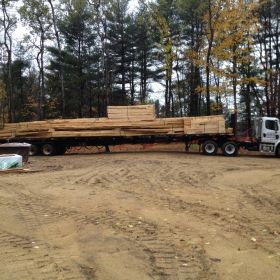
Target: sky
133 3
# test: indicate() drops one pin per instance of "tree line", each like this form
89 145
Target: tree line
79 56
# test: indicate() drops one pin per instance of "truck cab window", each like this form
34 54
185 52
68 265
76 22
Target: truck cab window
271 125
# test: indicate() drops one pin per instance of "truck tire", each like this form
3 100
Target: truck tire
48 149
210 148
230 149
34 150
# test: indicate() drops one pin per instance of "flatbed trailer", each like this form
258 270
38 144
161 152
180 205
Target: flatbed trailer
54 137
54 146
209 143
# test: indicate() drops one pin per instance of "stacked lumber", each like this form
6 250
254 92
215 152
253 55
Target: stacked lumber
204 125
127 123
93 128
140 112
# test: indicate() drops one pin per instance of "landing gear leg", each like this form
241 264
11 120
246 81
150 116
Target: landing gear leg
107 149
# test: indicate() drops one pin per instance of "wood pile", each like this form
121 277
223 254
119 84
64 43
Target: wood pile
126 124
204 125
92 128
140 112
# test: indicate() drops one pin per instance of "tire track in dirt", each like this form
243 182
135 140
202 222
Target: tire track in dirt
126 178
168 261
266 230
29 258
172 255
264 226
33 257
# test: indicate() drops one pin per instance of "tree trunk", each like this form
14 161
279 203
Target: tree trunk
123 70
234 84
167 104
208 57
132 79
7 24
42 74
179 87
61 71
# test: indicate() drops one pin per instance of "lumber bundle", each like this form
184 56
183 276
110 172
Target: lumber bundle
140 112
92 128
125 124
204 125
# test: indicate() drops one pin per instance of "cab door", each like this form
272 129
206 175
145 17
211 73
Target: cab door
270 130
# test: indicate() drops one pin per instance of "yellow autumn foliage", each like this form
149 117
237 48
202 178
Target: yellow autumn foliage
234 28
167 43
233 23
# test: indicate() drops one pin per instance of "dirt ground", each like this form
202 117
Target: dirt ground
148 214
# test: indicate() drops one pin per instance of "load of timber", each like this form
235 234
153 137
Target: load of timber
140 112
122 121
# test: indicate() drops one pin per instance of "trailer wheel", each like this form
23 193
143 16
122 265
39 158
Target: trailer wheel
48 149
34 150
230 149
210 148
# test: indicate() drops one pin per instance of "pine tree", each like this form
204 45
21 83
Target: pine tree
190 15
117 46
8 24
36 14
78 57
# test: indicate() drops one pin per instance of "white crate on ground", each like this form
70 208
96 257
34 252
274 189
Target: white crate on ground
10 161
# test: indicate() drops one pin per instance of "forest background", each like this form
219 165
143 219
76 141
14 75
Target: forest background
73 58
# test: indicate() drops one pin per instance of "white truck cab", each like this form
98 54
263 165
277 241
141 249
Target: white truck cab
268 135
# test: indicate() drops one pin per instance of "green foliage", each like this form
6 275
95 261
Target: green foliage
78 58
203 55
36 14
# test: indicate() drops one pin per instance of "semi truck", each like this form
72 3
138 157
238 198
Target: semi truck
265 138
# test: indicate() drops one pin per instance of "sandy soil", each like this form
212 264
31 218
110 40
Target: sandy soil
143 215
